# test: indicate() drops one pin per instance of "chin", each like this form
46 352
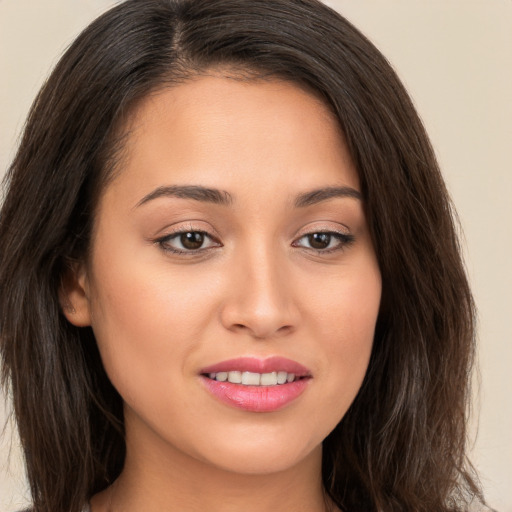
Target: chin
252 453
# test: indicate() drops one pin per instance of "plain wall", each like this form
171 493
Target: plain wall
455 57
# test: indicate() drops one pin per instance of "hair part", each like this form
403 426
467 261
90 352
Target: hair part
401 445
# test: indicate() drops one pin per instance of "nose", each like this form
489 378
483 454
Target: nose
260 301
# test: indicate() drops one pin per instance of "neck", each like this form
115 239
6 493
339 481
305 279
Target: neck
153 479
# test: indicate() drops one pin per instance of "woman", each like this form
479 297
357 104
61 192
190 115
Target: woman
229 265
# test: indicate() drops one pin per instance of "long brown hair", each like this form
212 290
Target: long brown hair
401 445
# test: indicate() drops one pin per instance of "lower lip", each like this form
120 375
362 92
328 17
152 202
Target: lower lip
256 398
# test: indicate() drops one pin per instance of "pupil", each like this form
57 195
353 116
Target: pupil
192 240
319 240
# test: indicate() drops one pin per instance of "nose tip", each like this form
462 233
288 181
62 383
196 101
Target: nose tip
261 328
260 303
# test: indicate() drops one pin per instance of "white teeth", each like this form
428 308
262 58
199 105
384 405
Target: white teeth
253 379
221 376
235 377
281 377
268 379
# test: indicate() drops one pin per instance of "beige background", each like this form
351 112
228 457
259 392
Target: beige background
455 56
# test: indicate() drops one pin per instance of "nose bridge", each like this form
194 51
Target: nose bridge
261 300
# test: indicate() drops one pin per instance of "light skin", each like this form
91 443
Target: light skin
258 282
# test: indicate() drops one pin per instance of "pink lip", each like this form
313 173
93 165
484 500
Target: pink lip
257 398
253 364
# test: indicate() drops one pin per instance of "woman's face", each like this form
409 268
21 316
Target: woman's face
232 243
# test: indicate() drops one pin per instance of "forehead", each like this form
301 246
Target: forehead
213 128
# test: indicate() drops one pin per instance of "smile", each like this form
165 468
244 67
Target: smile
254 379
256 385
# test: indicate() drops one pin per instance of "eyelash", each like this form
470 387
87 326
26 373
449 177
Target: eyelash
163 242
344 241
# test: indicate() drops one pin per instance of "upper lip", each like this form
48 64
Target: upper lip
257 365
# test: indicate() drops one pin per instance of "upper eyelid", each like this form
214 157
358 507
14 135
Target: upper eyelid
345 230
343 238
177 233
165 239
212 233
214 236
322 225
186 227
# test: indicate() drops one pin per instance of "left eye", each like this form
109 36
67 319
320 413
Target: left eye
324 241
187 241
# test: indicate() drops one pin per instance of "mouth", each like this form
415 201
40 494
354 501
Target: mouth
276 378
256 385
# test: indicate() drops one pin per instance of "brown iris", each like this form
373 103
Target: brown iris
192 240
319 240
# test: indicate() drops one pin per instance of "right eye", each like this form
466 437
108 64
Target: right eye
187 242
325 242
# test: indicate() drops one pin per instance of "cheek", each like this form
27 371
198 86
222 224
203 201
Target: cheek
346 314
346 305
146 322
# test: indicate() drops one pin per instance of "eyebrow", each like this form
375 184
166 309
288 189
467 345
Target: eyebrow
325 193
195 192
224 198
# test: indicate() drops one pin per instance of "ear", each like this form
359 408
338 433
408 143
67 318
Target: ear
74 295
